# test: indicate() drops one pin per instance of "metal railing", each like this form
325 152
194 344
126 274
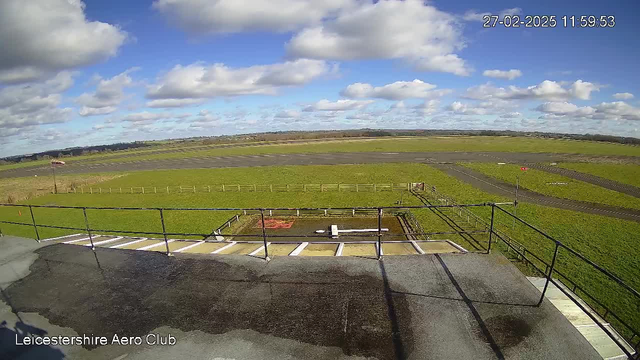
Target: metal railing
549 271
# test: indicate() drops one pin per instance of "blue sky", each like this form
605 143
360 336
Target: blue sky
76 73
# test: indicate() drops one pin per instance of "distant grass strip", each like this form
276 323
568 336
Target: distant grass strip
452 143
555 185
625 173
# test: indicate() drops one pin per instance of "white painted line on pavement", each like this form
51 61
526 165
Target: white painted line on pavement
253 253
154 245
128 243
339 251
190 246
224 247
299 249
106 241
60 237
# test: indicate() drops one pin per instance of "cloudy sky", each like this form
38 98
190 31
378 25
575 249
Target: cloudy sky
77 73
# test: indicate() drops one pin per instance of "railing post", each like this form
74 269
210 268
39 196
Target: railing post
264 235
86 224
164 232
493 210
379 252
35 227
553 264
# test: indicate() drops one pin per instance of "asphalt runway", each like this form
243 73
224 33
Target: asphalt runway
498 187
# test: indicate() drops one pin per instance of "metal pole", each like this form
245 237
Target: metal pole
35 227
515 206
379 233
55 185
493 210
86 223
164 232
264 236
553 263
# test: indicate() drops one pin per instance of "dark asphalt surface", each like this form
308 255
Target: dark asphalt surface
471 306
592 179
498 187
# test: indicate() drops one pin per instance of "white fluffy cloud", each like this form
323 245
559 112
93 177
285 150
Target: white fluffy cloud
503 74
473 15
623 96
231 16
420 34
340 105
25 106
399 90
428 107
287 114
186 84
618 110
41 37
108 95
172 103
546 90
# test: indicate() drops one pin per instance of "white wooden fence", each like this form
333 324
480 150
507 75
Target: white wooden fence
248 188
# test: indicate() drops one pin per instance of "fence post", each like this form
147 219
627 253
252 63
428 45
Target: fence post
35 227
264 235
132 190
164 232
120 190
493 209
379 234
109 190
143 189
194 188
271 187
553 264
91 190
155 190
209 188
167 189
82 190
86 224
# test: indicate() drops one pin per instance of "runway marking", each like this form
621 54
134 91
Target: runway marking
299 249
418 248
106 241
59 237
190 246
162 242
128 243
261 248
224 247
339 251
73 241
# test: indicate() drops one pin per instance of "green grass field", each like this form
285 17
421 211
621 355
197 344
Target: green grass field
624 173
490 144
449 143
609 242
556 185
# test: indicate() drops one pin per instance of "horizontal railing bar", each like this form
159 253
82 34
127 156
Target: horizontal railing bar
252 209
